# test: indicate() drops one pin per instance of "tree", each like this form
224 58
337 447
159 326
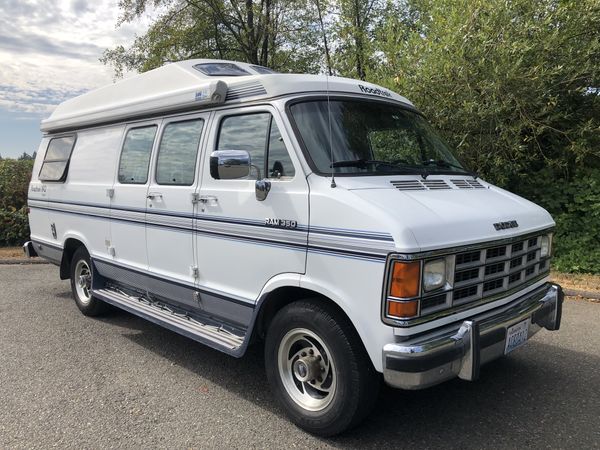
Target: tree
281 34
354 28
509 83
514 87
26 157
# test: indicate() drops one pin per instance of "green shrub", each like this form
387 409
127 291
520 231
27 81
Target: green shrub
14 226
14 182
575 206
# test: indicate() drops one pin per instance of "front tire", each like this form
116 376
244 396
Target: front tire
81 284
319 369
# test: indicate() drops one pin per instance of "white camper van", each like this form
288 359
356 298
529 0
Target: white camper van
320 217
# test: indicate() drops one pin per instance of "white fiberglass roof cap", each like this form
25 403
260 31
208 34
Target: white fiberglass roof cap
194 84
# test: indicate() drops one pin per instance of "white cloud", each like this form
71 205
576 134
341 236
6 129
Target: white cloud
49 50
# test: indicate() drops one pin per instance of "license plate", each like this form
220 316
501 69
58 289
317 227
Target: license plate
516 336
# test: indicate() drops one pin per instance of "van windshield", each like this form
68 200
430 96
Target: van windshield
371 138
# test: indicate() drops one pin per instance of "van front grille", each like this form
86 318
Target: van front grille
487 273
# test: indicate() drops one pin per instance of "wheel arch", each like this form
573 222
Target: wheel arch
69 248
272 302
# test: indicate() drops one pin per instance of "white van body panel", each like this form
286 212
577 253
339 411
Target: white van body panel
91 175
39 224
170 250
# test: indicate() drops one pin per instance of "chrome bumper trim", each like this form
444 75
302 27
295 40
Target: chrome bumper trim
29 250
461 350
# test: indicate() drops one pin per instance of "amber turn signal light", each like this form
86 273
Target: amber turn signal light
405 279
403 309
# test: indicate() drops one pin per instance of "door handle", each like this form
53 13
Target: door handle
153 195
208 199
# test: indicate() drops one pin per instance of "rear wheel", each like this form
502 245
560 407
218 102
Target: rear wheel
319 369
81 284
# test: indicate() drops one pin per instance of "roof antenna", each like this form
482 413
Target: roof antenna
330 138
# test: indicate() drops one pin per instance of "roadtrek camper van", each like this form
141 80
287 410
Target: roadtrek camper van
321 217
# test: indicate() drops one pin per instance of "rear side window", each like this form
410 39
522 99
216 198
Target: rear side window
135 156
257 134
56 161
178 152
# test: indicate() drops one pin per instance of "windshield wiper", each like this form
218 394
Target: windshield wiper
363 163
442 163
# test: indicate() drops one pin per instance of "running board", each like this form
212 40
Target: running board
211 335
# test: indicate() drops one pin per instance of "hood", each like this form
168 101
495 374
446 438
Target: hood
443 212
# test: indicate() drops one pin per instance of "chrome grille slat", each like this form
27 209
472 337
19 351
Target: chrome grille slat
491 271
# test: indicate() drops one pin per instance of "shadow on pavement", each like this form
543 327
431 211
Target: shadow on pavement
541 396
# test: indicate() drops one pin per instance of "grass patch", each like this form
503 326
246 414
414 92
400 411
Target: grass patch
11 252
582 282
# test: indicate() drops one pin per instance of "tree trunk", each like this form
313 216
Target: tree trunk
252 44
325 45
266 35
358 42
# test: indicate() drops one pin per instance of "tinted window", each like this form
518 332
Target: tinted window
135 156
259 136
247 132
221 69
54 167
279 164
177 152
263 70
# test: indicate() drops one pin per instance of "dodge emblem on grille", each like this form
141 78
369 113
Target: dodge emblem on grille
504 225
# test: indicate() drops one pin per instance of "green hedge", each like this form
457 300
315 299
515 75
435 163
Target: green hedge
575 206
14 226
14 182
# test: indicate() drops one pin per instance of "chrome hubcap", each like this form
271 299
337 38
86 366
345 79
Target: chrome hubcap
83 281
306 369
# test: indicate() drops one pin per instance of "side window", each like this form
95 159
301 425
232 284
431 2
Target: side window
279 163
135 156
177 153
56 160
257 134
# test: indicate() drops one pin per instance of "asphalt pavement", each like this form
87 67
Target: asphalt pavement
68 381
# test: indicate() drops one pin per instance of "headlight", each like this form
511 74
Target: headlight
434 274
546 246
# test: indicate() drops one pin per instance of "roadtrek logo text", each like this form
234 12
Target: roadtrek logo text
374 91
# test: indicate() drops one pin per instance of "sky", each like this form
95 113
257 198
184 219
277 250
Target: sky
49 52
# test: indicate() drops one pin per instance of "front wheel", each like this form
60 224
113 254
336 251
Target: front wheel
81 284
318 368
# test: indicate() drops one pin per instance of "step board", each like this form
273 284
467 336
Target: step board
206 334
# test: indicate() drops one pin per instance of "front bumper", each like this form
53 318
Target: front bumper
459 351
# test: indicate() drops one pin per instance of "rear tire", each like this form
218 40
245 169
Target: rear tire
319 369
81 284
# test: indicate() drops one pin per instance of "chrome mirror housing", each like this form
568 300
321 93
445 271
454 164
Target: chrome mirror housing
262 188
229 164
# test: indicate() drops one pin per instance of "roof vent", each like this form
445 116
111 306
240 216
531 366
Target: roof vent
221 69
468 184
242 90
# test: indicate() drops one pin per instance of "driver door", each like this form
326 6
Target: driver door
242 242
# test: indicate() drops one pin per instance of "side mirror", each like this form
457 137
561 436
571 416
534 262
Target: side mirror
229 164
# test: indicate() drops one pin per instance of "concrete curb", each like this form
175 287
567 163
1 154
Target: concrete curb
21 261
584 294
